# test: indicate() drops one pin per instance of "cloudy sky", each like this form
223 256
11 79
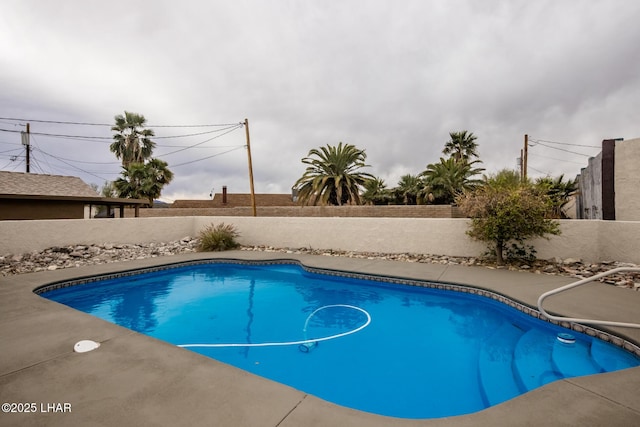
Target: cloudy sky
391 77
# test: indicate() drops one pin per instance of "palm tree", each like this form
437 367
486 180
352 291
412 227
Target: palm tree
408 189
333 176
558 191
131 139
144 180
505 179
444 180
376 192
461 146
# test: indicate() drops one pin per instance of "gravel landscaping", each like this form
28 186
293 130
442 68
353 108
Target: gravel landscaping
78 255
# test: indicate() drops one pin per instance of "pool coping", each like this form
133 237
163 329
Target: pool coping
153 383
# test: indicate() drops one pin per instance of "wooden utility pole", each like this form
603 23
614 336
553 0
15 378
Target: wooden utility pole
525 156
27 146
253 194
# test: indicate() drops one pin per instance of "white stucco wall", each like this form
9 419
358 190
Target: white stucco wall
26 236
627 180
393 235
591 241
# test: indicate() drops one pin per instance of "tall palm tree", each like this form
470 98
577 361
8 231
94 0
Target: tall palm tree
144 180
462 146
131 139
408 189
444 180
332 177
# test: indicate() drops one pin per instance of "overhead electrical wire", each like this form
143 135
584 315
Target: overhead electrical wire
553 158
208 157
539 171
71 164
111 125
35 144
200 143
560 149
110 138
562 143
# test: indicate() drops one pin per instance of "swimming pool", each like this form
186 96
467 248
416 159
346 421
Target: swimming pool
381 347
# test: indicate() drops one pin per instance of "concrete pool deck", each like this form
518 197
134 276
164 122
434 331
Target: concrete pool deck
133 379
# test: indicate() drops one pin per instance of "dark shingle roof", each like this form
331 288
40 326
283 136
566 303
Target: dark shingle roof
23 184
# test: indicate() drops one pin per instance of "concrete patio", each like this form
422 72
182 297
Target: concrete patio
136 380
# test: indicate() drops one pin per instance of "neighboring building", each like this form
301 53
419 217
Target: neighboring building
231 200
608 186
36 196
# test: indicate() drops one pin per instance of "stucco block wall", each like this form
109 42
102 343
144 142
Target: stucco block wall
27 236
591 241
396 211
627 180
392 235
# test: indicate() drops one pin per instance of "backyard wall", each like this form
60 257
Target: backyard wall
590 241
360 211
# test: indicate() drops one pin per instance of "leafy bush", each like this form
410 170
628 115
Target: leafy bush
505 217
219 237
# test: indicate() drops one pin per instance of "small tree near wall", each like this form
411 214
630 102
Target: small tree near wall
501 215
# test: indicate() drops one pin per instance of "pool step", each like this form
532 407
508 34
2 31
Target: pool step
532 359
573 360
609 356
495 365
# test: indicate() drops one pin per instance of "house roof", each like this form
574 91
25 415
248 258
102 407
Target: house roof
234 200
30 184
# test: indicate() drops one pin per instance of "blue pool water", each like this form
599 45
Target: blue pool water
385 348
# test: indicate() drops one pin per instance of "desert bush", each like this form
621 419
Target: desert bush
505 217
220 237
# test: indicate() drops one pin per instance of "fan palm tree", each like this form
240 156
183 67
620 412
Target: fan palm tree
144 180
333 176
131 139
462 146
444 180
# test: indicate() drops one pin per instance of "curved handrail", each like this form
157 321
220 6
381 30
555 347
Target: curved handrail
582 282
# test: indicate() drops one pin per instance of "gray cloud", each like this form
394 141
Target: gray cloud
393 78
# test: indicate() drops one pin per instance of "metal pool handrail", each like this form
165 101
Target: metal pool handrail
582 282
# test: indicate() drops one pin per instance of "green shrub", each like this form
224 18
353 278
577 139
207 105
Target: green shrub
219 237
505 217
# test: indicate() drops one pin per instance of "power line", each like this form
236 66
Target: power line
563 143
208 157
110 138
37 148
75 167
111 125
196 134
539 171
81 161
553 158
561 149
200 143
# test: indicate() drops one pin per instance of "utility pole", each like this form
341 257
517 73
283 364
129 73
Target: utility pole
25 141
253 194
525 156
521 164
